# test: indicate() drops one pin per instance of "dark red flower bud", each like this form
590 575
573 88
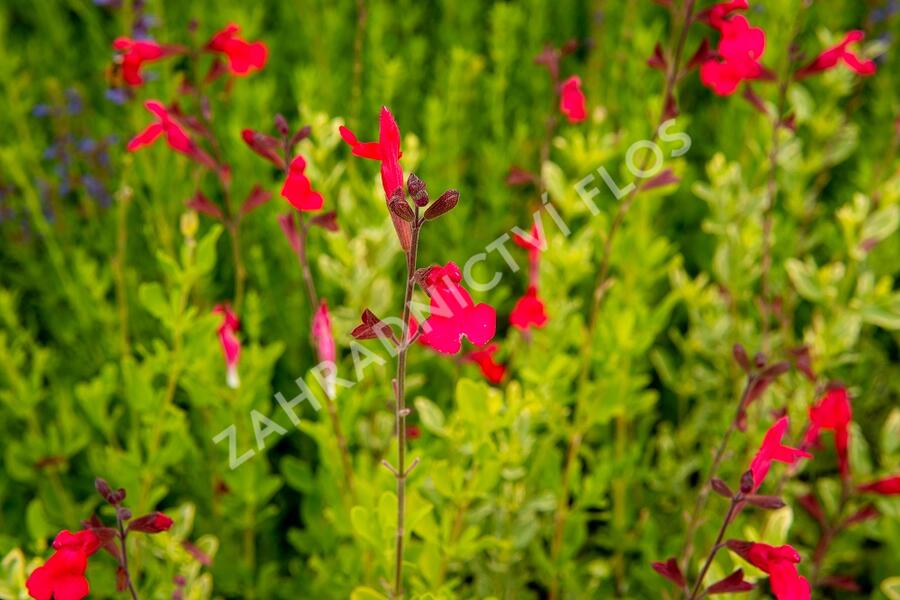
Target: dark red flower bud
767 502
740 356
103 488
810 504
670 570
205 206
702 55
264 145
841 582
759 360
281 125
666 177
303 133
442 205
417 190
866 513
153 523
257 197
721 488
326 220
401 208
747 482
803 362
731 584
519 176
123 513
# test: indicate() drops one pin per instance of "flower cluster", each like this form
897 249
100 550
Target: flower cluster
62 576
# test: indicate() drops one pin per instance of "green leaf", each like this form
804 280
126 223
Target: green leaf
803 276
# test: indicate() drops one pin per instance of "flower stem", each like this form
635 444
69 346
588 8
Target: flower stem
735 502
124 561
702 497
400 473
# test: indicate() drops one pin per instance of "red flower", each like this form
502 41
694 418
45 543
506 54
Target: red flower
298 190
134 53
177 138
780 562
830 58
484 358
772 449
413 432
739 50
572 101
529 311
231 345
453 314
322 335
715 14
323 340
62 576
387 151
243 57
155 522
889 486
832 412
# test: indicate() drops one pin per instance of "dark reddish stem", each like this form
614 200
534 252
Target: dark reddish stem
732 510
124 561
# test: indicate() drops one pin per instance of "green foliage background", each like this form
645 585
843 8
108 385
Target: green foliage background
110 365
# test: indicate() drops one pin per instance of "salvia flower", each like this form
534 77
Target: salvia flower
231 345
889 486
243 57
297 188
572 101
453 314
780 562
738 53
176 137
529 311
134 53
387 151
839 53
773 450
62 576
323 340
493 371
832 412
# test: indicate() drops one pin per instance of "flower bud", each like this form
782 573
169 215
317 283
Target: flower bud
189 224
153 523
442 205
747 482
417 191
281 125
721 488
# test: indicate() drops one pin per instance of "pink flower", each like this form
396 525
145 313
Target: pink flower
177 138
453 314
771 450
832 412
889 486
830 58
387 151
529 311
243 57
62 576
231 345
166 124
572 101
780 562
298 190
740 48
323 340
484 358
134 53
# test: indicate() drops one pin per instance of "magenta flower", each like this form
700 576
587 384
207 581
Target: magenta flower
832 412
572 100
453 314
243 57
298 190
773 450
231 345
838 53
780 562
